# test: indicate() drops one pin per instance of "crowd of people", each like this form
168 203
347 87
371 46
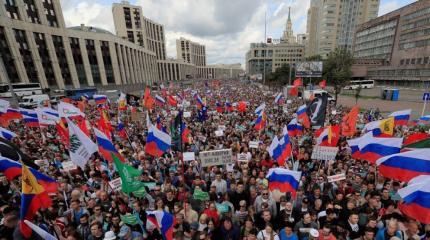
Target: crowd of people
240 205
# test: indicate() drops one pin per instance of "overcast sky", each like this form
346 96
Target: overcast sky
226 27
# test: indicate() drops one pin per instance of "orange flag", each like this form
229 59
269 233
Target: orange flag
297 82
294 91
349 121
323 84
241 106
148 100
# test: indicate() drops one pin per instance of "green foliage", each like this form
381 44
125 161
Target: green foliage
314 58
280 76
337 69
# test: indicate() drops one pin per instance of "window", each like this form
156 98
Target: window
419 60
50 13
407 61
413 61
32 14
402 61
8 61
426 60
11 9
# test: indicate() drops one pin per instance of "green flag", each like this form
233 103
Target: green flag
130 219
140 193
128 176
425 143
200 195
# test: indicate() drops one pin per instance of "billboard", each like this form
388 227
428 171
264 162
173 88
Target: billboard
309 69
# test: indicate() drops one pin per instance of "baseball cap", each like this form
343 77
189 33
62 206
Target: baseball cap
123 231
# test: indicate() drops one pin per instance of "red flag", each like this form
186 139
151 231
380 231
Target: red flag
103 124
323 84
63 132
332 136
148 99
172 101
82 124
349 122
415 137
294 91
241 106
297 82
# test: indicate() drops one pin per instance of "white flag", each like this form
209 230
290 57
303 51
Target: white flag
44 234
81 147
47 116
69 110
4 105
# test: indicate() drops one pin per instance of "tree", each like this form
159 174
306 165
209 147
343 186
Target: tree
280 76
337 69
314 58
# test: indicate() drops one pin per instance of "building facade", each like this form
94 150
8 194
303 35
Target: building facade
191 52
36 47
401 40
332 23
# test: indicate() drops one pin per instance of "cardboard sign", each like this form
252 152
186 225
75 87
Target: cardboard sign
254 144
115 184
221 127
68 166
222 208
219 133
337 177
242 157
189 156
187 114
324 153
217 157
200 195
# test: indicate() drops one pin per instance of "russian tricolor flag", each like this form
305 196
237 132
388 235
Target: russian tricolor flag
406 165
416 199
163 221
219 107
260 108
424 120
29 117
278 99
302 115
100 99
6 134
284 180
329 136
159 100
228 106
260 123
283 150
371 148
157 142
121 130
294 128
199 101
12 169
353 144
401 117
106 147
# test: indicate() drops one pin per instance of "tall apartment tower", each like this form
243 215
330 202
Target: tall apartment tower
332 23
131 25
191 52
288 35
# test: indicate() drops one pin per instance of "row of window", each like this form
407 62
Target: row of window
413 61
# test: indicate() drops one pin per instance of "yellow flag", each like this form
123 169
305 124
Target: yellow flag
329 134
387 126
29 182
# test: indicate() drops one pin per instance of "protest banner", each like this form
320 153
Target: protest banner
242 157
187 114
189 156
337 177
254 144
68 166
200 195
115 184
324 153
216 157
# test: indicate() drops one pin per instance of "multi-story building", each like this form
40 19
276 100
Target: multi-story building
332 23
191 52
219 71
267 57
400 40
36 47
302 39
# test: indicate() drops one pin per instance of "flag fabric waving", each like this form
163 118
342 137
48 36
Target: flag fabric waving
381 128
33 197
401 117
11 151
329 137
284 180
406 165
372 148
128 175
47 116
100 99
323 84
42 233
159 100
81 146
157 142
294 128
106 147
416 195
260 108
303 116
69 110
283 150
148 100
349 122
163 221
260 123
6 134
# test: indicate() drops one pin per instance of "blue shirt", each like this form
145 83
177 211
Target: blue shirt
283 236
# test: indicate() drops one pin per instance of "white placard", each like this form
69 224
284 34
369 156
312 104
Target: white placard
289 101
68 166
189 156
285 109
324 153
336 177
217 157
254 144
115 184
229 167
219 133
187 114
221 127
242 157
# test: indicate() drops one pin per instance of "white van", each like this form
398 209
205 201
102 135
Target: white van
33 101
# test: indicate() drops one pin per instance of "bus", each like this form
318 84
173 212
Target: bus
20 89
357 83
